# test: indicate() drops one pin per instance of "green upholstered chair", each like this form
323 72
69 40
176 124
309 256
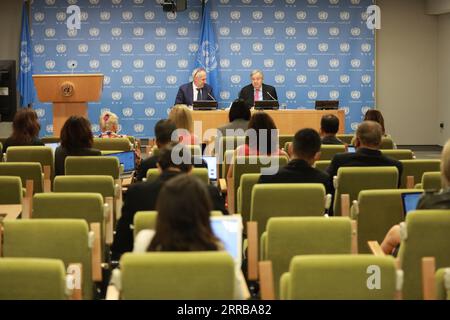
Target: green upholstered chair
254 164
352 180
71 205
340 277
95 165
327 152
376 211
345 138
284 139
177 276
103 185
112 144
49 139
322 164
387 143
32 279
65 239
10 190
442 280
26 171
417 168
424 234
398 154
432 181
147 220
285 238
244 196
43 155
201 173
286 200
227 143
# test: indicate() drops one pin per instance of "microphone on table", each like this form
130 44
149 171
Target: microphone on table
271 96
211 96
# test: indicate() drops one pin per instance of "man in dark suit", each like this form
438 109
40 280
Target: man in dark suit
143 197
329 127
305 150
163 134
197 90
257 90
368 140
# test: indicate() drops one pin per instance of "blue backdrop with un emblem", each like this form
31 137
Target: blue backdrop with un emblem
308 49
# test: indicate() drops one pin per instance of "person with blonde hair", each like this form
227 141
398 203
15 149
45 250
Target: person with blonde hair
429 200
181 115
109 125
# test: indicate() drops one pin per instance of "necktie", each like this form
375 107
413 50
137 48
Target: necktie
256 95
199 94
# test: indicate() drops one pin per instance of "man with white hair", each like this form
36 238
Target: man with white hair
257 90
197 90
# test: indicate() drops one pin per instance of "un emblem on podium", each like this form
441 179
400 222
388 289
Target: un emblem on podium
67 89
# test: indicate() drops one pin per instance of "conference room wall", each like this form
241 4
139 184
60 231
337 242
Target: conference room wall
444 76
407 68
10 15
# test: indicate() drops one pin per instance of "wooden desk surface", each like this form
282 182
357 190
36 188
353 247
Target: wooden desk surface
287 121
12 211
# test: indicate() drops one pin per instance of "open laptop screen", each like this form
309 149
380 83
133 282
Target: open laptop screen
229 231
126 159
211 162
410 201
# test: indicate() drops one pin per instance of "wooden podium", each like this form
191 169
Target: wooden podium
69 93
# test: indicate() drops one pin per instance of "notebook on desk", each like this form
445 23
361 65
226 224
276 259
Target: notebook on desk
127 160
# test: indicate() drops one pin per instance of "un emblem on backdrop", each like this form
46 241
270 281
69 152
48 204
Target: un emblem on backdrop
334 95
345 79
268 31
323 15
116 95
323 47
39 49
355 63
50 2
279 47
290 63
94 64
193 47
269 63
183 64
149 15
138 96
334 31
105 16
61 16
366 79
116 32
356 32
107 80
334 63
194 15
355 95
138 128
127 112
149 112
301 47
171 80
127 47
127 15
344 15
301 15
235 47
290 95
290 31
94 2
160 95
246 31
183 31
323 79
127 80
171 47
214 15
61 48
257 15
40 112
312 95
94 32
345 47
49 128
224 31
83 48
225 95
138 64
116 64
149 47
279 15
346 110
235 79
280 79
50 32
312 31
39 16
225 63
235 15
257 47
313 63
366 47
149 80
301 79
246 63
138 32
160 32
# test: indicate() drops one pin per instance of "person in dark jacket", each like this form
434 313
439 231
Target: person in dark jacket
143 196
329 127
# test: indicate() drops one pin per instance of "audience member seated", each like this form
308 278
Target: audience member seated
76 140
367 143
375 115
305 150
439 200
181 115
109 126
163 134
261 139
239 116
25 130
329 127
183 222
142 196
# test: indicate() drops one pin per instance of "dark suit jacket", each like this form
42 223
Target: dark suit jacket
142 197
331 141
363 158
185 94
247 94
299 171
61 154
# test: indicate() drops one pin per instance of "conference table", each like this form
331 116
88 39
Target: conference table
288 121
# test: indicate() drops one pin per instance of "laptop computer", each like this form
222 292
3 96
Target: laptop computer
410 201
351 149
267 105
205 105
126 159
53 145
211 162
327 104
229 231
